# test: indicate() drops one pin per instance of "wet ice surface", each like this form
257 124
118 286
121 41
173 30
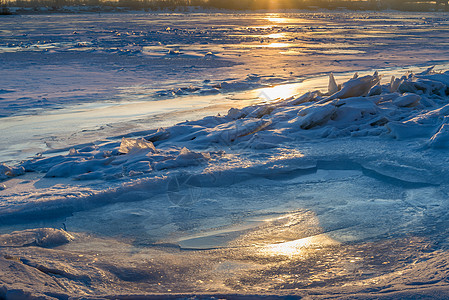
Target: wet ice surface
347 233
326 194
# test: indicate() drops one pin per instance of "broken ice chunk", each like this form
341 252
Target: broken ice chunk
130 145
407 100
185 158
333 86
395 83
315 115
356 87
441 138
6 171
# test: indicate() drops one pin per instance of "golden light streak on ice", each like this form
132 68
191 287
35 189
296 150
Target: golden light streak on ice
277 45
276 35
297 247
279 20
279 92
291 236
286 154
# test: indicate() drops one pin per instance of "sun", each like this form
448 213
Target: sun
273 4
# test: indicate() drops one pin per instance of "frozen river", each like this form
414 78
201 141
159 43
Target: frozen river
97 69
125 172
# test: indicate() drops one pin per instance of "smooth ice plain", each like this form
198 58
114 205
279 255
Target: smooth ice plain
224 155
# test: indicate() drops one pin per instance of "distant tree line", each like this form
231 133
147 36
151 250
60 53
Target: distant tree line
407 5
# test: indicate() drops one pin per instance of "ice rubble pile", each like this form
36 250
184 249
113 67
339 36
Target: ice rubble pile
130 157
413 106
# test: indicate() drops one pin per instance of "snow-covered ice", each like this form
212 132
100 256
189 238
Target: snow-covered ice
330 186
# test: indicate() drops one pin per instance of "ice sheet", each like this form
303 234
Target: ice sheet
315 188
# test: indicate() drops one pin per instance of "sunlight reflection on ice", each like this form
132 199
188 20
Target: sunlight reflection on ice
276 35
280 20
279 92
296 247
278 45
